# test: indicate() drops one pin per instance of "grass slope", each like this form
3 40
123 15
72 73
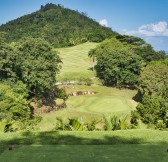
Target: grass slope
106 101
97 146
125 146
76 63
67 153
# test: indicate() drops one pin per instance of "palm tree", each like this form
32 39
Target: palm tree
92 54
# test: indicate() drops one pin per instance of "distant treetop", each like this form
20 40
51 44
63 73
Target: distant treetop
59 26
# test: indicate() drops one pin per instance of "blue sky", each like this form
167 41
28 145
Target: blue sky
144 18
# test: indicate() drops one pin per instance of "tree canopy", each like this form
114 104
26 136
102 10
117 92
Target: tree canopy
14 108
153 85
154 78
141 48
59 26
116 64
32 61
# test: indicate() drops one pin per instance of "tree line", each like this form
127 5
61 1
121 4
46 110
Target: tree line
28 70
128 61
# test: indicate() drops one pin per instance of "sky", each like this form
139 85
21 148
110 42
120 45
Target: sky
147 19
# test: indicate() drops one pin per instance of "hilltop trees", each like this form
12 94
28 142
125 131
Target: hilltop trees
59 26
141 48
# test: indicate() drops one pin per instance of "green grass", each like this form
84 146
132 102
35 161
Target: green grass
125 146
76 63
105 101
94 153
96 146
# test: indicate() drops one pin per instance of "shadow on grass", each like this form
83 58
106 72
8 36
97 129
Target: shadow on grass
72 138
138 97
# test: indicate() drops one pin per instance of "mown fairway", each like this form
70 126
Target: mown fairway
76 63
107 100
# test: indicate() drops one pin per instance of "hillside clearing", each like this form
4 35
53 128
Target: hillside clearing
106 100
76 63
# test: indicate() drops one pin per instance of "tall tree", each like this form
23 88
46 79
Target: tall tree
37 65
116 64
153 85
154 78
92 55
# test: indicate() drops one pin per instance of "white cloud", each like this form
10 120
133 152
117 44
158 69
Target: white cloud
157 29
103 22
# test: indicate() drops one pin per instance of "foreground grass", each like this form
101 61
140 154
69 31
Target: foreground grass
85 138
94 153
128 145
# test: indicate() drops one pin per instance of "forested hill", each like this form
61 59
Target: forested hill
58 25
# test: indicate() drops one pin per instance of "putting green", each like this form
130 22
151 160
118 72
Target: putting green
106 100
95 104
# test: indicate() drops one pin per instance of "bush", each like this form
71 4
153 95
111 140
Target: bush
115 123
85 81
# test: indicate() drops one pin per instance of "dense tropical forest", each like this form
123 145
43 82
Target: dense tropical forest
59 26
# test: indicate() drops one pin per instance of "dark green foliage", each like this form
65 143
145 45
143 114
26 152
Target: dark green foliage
115 123
153 85
154 79
130 40
70 124
141 48
59 26
152 109
61 93
7 60
27 69
33 62
15 111
149 54
116 64
134 117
